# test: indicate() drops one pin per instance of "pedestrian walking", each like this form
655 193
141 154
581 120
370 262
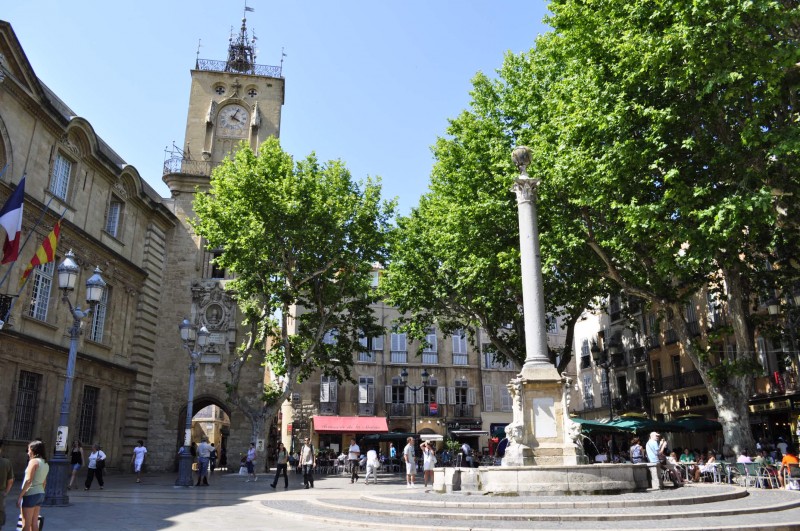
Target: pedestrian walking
307 462
76 459
31 495
97 463
372 466
203 458
410 459
353 454
6 482
281 464
137 459
250 463
212 463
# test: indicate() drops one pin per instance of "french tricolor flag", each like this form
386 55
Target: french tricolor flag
11 220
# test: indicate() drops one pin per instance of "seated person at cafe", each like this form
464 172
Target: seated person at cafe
709 466
687 456
744 458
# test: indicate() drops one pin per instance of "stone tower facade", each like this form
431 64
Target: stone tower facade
230 102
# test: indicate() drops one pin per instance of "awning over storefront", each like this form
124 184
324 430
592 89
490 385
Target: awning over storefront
326 424
431 437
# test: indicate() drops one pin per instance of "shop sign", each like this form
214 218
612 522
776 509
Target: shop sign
476 425
693 401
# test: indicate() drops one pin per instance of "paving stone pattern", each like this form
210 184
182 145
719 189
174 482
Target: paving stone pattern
337 505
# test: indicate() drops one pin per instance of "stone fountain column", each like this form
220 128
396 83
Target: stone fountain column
539 431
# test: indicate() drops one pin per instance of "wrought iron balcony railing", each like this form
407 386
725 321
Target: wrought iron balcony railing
463 410
399 410
222 66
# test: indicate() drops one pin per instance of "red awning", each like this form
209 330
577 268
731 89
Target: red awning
349 424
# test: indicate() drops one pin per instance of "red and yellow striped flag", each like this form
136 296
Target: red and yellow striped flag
45 253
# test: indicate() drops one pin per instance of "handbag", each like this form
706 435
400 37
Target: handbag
242 470
100 464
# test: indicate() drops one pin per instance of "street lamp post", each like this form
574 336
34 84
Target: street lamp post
415 389
602 359
58 476
195 343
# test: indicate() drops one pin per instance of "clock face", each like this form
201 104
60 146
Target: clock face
232 120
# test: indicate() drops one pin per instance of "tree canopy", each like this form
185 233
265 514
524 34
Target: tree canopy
665 135
301 239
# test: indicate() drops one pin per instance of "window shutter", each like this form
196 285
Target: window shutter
387 394
324 396
395 342
451 395
362 341
362 393
421 396
441 395
333 391
407 399
488 398
370 394
471 396
430 338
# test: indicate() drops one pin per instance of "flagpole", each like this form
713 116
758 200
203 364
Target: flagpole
28 237
25 283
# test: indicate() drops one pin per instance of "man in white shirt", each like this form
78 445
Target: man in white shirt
352 456
372 466
307 461
409 457
203 458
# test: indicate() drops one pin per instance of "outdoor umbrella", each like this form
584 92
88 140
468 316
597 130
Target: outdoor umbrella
590 427
694 423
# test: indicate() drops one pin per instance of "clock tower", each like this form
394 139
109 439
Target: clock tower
231 102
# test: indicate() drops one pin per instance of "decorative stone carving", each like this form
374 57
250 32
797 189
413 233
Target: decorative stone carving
212 112
213 308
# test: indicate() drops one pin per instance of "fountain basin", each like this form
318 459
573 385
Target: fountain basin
544 479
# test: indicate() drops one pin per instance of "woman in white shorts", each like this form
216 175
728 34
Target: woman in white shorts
428 462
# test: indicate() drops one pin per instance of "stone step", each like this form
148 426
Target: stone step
692 507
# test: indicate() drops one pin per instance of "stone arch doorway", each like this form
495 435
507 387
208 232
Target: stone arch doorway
211 417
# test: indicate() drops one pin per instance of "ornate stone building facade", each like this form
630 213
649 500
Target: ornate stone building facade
131 376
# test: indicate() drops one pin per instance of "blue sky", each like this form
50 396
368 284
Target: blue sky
372 83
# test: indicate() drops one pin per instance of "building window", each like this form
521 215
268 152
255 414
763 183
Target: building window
59 184
327 389
99 318
397 391
216 270
366 390
374 278
399 348
430 354
371 346
42 285
460 348
88 418
605 389
27 400
114 217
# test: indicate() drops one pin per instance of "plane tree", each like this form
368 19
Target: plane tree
301 239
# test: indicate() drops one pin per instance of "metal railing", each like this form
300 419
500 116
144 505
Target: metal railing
399 410
430 358
329 408
366 410
463 410
677 381
222 66
399 356
188 166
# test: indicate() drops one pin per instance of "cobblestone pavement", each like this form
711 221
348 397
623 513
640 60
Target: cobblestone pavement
336 505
